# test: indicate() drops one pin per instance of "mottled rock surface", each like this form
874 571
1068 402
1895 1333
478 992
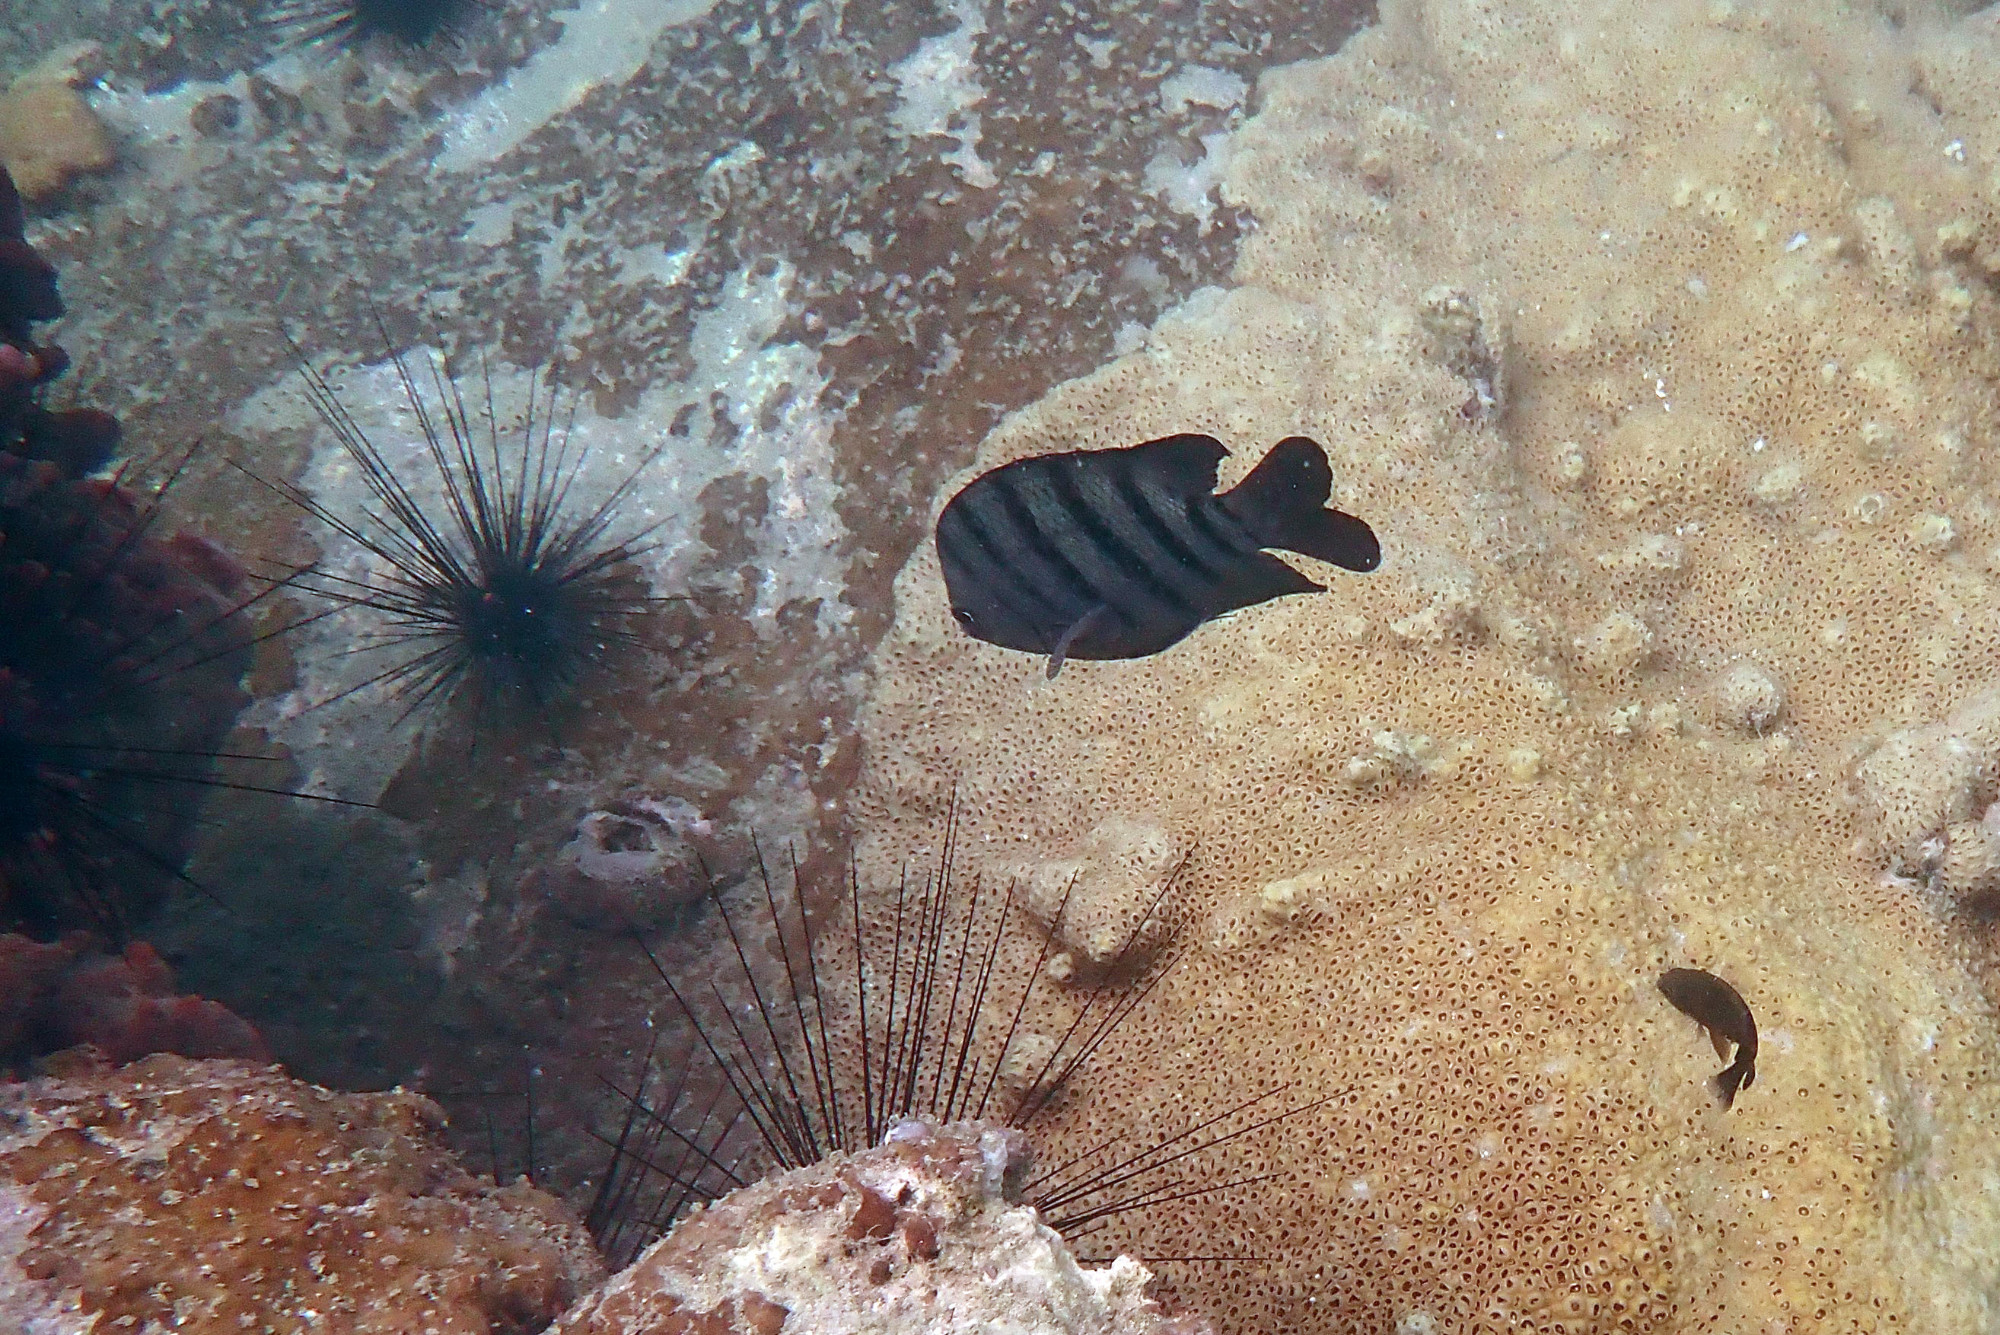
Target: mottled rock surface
173 1194
819 248
923 1235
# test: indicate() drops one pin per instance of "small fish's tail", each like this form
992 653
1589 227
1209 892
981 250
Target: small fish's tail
1283 502
1739 1074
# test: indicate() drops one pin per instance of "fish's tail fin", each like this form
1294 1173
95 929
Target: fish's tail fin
1283 502
1739 1074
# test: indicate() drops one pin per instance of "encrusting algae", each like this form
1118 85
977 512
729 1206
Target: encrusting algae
1659 345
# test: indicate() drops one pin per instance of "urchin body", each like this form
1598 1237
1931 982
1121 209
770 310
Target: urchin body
411 22
505 592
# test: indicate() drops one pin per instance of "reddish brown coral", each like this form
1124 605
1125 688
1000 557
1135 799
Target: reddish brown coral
77 439
120 673
125 1005
56 995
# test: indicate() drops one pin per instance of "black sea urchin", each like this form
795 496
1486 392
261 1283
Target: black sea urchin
506 590
941 1007
413 22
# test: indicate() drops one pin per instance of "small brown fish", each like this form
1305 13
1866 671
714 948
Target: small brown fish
1720 1010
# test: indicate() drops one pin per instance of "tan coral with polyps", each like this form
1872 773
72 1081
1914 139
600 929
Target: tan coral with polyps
1451 820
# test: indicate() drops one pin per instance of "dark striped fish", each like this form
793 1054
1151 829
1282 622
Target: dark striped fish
1720 1009
1120 553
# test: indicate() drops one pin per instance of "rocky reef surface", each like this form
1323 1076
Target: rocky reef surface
173 1194
1660 346
924 1233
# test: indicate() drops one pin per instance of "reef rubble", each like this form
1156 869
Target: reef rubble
171 1193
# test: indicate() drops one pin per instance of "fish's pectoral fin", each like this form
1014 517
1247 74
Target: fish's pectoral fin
1082 626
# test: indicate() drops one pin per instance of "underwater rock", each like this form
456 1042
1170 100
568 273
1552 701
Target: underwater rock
48 132
923 1233
1705 343
212 1195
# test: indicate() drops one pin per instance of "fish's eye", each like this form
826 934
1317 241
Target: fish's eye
963 617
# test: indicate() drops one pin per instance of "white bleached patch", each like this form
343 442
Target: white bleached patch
163 119
603 43
1198 85
157 128
657 264
490 224
1187 187
937 87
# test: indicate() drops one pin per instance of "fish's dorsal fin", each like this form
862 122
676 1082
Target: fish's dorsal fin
1283 502
1188 463
1083 625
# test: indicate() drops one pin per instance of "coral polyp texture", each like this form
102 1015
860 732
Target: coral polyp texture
211 1195
1659 345
924 1233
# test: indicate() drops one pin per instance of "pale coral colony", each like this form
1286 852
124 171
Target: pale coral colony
1661 345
